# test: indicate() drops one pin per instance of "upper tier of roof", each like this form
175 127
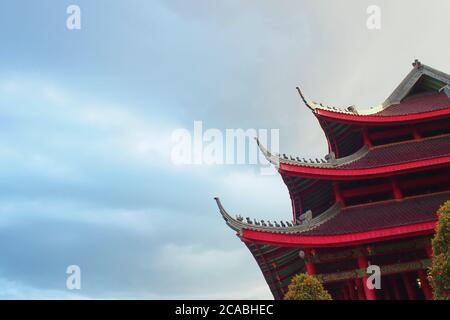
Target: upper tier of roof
423 90
422 103
384 156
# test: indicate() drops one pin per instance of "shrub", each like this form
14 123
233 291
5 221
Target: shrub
306 287
439 272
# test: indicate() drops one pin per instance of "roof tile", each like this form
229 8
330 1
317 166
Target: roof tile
417 104
403 152
390 214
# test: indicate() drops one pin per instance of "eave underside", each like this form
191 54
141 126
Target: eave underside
279 264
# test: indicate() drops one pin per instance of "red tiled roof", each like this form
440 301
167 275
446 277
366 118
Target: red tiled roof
418 104
403 152
389 214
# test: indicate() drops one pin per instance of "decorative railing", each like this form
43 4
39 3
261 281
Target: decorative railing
289 227
329 161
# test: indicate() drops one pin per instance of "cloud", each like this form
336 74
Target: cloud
86 120
12 290
120 260
98 191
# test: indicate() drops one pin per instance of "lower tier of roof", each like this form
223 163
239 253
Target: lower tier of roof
388 214
344 226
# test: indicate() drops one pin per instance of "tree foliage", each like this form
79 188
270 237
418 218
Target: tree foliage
306 287
440 269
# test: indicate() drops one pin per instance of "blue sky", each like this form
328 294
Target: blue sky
86 119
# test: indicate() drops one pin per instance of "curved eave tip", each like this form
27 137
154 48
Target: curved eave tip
222 210
311 105
266 152
230 221
219 204
273 159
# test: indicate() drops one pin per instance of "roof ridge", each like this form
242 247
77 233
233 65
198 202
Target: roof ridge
419 69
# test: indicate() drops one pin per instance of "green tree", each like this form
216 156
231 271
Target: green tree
306 287
439 272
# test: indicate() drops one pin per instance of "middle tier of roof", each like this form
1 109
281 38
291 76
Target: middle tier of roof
396 156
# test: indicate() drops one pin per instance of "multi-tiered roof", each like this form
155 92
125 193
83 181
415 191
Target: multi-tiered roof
386 174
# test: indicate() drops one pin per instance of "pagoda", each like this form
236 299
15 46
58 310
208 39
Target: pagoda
372 200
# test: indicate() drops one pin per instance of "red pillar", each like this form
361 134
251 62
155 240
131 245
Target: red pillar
429 251
345 293
370 293
337 194
359 286
393 283
351 289
310 268
426 288
396 189
416 134
386 292
366 138
408 286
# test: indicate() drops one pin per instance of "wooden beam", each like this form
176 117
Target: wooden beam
385 270
375 250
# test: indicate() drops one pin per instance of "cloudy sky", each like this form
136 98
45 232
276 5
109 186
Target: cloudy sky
86 118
